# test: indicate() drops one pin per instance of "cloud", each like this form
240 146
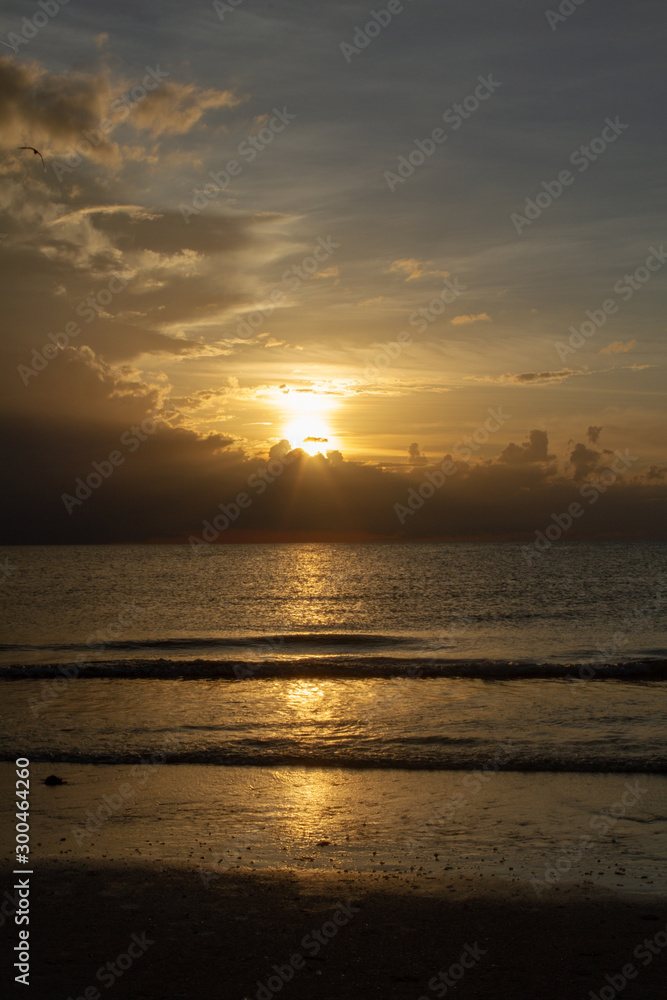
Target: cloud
464 320
174 108
80 410
416 457
534 450
618 347
584 460
317 440
180 283
47 107
279 450
528 378
535 378
413 269
53 110
593 434
174 480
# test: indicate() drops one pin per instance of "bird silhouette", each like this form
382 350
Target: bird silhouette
36 152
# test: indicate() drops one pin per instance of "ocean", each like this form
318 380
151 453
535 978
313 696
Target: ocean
289 695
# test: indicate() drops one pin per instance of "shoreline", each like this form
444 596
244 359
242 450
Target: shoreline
536 830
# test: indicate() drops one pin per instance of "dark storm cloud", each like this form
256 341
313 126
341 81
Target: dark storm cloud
593 434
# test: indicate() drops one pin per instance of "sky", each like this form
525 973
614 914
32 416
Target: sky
369 244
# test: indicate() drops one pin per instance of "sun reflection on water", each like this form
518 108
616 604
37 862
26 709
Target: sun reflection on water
305 696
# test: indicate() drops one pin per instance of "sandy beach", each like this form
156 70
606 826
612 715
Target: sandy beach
161 933
201 887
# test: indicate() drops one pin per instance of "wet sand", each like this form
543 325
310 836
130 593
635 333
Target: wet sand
331 935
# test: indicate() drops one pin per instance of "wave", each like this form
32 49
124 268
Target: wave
326 758
276 641
341 667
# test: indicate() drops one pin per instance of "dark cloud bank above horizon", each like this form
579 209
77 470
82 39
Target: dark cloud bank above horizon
105 460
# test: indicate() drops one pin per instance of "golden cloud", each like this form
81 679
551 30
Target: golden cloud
618 347
477 318
414 269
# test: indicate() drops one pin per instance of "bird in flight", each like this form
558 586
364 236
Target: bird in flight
36 152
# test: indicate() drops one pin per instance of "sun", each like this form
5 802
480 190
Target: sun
307 426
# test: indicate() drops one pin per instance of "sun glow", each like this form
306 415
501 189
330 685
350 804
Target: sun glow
307 426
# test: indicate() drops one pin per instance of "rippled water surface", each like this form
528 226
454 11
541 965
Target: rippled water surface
412 656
